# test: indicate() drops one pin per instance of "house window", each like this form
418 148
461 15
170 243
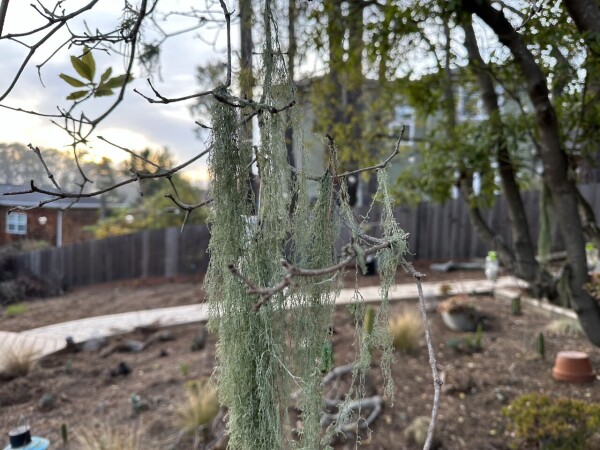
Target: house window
404 116
470 105
16 223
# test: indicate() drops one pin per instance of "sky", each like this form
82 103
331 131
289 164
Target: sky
135 124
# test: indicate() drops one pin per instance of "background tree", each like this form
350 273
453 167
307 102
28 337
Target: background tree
273 275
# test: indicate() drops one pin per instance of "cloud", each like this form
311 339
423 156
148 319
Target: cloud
135 123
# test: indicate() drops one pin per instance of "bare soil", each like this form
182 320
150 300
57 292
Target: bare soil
477 385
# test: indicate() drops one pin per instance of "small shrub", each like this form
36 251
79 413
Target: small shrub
16 309
18 363
469 344
103 437
406 330
202 406
540 421
184 368
138 405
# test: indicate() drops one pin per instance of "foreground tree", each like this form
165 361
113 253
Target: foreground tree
483 156
274 272
565 196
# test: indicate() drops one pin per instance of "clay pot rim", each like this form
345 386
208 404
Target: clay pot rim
573 366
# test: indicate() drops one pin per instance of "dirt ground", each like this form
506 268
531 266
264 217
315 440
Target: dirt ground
76 388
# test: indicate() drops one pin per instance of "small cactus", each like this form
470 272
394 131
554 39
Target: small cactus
369 320
64 433
478 337
515 306
540 345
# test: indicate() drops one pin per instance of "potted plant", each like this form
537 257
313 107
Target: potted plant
459 313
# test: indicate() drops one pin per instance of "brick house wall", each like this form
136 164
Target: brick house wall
73 223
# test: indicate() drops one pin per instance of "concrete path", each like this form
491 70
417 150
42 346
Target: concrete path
51 338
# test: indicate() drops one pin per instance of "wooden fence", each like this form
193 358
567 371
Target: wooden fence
153 253
437 232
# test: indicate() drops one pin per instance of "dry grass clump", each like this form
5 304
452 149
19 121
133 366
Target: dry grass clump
406 329
103 437
202 405
457 303
18 363
565 327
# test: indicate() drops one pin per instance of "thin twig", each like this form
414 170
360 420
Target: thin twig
293 271
131 152
55 196
437 382
228 25
187 207
37 151
382 164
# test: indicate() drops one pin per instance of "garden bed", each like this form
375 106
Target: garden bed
78 390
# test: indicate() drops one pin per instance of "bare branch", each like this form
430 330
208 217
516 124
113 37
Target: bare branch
131 152
37 151
60 21
3 8
228 20
437 382
165 100
293 271
55 196
382 164
185 206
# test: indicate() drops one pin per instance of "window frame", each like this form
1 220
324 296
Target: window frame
16 223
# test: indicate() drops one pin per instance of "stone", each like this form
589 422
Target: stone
47 402
199 340
122 369
94 345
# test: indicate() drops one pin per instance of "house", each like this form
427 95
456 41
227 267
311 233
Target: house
60 222
361 188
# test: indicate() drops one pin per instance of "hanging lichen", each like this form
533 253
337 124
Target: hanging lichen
274 346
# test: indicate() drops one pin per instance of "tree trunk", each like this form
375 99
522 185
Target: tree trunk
554 159
485 233
292 48
526 265
246 80
335 36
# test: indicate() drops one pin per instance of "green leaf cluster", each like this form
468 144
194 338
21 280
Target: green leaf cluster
153 212
85 67
541 421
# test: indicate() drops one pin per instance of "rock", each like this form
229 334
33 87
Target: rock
47 402
165 336
199 340
457 381
218 430
132 346
122 369
149 328
94 345
163 353
71 346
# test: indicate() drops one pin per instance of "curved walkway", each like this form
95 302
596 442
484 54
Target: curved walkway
51 338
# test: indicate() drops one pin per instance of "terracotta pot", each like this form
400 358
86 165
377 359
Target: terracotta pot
573 366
